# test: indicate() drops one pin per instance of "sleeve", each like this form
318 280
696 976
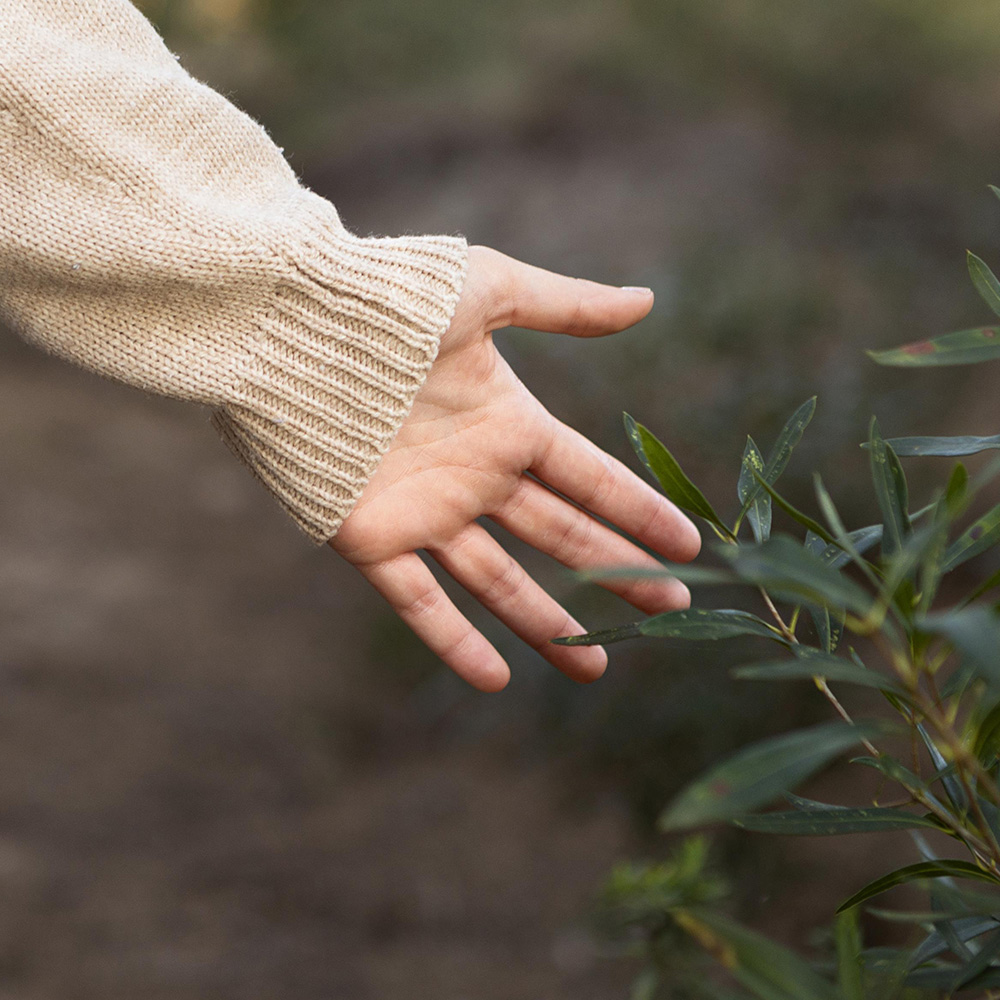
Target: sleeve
153 233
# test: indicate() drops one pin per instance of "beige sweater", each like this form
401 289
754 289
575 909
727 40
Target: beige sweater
153 233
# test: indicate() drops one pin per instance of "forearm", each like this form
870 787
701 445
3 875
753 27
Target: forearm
153 233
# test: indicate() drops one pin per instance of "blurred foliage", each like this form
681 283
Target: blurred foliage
856 66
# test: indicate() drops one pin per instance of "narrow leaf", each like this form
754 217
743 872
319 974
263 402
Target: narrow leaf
907 447
830 821
974 632
779 455
796 515
952 786
816 664
945 868
861 541
992 581
758 504
693 575
980 962
895 771
965 347
890 489
974 541
770 969
986 745
759 774
847 933
789 571
692 623
666 470
964 928
985 281
940 980
840 533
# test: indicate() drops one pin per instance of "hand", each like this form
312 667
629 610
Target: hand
478 444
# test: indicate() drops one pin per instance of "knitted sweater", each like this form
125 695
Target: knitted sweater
153 233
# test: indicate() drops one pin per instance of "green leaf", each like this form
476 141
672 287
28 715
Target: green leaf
960 929
890 489
817 664
829 629
840 533
944 868
952 786
986 744
693 575
895 771
974 632
758 774
789 571
993 580
768 969
847 932
692 623
758 505
861 541
907 447
974 541
965 347
939 979
794 513
980 962
779 455
957 490
833 820
666 470
985 281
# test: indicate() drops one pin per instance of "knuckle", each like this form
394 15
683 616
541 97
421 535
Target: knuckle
420 604
602 485
455 651
504 585
574 539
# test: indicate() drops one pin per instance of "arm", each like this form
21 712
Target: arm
153 233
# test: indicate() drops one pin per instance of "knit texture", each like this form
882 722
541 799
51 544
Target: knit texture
153 233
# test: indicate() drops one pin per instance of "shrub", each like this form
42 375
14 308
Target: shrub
875 607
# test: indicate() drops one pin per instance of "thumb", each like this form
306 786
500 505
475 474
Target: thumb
531 297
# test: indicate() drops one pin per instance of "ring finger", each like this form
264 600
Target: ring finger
494 578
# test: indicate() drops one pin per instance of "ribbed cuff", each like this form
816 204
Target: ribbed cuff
336 364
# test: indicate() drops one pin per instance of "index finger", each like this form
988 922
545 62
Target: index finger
596 481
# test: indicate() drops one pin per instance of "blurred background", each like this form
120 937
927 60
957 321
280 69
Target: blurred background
227 770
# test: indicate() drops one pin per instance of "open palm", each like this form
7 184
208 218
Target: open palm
478 444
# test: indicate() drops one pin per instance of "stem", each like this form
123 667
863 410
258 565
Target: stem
785 630
819 681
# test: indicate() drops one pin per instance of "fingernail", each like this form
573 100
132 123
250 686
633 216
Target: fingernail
638 289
